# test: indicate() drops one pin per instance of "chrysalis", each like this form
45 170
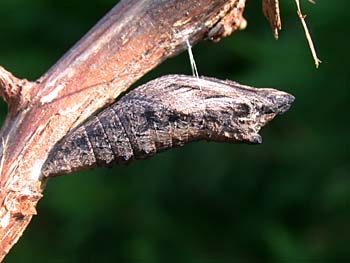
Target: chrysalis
167 112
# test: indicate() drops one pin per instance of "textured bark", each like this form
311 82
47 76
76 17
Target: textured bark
165 113
130 40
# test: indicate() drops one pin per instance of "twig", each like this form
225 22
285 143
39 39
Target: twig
307 34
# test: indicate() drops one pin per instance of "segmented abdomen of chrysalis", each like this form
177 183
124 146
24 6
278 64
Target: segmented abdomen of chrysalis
136 127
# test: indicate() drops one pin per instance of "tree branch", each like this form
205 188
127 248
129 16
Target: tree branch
134 37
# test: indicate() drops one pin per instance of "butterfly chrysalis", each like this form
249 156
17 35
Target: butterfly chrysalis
164 113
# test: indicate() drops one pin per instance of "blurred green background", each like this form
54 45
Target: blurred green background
286 200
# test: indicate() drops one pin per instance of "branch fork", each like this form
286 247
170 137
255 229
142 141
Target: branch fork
15 92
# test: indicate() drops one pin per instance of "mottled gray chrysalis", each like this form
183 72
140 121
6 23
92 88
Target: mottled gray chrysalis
167 112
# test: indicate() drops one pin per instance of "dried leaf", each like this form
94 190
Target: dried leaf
271 11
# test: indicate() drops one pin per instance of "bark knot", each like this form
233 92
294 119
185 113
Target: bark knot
14 91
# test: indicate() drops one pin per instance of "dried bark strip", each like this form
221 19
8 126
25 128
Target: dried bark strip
134 37
271 10
164 113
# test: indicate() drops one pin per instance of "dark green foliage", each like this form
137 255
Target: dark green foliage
286 200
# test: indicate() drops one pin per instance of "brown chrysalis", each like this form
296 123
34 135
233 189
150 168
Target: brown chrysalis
164 113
